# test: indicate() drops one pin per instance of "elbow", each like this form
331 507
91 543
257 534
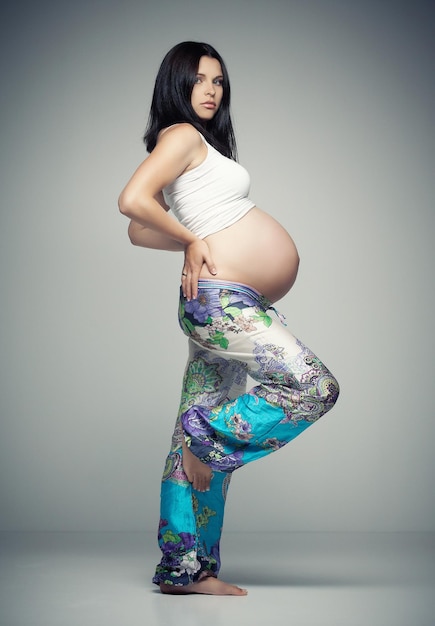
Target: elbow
131 205
125 205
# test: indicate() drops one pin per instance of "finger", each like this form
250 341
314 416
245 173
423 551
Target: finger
183 282
188 286
194 284
192 293
210 265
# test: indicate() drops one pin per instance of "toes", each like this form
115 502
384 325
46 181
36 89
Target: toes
201 483
214 586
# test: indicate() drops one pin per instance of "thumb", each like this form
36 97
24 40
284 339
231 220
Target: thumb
210 265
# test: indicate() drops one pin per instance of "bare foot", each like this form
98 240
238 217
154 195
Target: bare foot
197 472
209 586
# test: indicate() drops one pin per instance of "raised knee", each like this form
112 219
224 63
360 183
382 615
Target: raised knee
330 390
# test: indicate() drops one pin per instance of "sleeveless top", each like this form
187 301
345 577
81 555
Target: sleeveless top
211 196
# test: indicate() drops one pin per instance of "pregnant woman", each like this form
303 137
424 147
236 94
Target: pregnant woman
238 261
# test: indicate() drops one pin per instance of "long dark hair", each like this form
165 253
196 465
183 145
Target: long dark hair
172 94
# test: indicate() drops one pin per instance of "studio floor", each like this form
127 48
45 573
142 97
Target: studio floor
300 579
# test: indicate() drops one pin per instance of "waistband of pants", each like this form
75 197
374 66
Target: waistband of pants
263 302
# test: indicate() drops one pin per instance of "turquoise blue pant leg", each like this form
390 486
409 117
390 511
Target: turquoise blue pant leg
190 529
234 433
190 521
231 335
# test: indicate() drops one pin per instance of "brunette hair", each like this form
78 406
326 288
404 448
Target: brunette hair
172 94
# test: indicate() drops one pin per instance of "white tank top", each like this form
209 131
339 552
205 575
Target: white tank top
211 196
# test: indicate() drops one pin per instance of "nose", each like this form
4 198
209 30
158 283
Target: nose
210 90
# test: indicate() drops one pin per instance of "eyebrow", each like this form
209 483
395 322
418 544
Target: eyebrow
218 76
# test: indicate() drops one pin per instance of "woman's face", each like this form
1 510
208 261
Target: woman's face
207 91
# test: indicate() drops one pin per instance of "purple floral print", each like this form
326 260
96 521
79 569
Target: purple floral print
206 305
228 462
195 422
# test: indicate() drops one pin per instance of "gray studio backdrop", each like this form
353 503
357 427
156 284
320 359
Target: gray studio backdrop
333 104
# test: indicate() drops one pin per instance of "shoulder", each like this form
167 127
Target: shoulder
181 144
183 134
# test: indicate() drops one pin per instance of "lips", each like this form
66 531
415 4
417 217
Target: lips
209 105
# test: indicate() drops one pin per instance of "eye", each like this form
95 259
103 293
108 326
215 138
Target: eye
218 82
197 80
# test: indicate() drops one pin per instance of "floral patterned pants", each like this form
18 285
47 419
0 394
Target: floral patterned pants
231 335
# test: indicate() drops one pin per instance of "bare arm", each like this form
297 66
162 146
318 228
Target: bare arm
176 150
147 238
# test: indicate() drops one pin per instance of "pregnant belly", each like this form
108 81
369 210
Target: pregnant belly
256 251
